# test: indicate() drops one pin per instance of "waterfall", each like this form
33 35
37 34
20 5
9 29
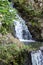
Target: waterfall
22 32
21 29
37 57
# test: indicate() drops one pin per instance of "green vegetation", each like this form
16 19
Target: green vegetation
17 53
13 54
29 7
32 12
7 15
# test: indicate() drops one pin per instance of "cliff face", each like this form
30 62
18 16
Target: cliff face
32 12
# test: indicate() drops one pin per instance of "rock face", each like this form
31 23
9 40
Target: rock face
35 31
32 12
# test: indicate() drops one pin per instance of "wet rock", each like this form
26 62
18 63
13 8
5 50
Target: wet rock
30 14
35 31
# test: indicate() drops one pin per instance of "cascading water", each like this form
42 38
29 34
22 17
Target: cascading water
22 32
37 57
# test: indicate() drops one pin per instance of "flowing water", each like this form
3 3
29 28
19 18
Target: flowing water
22 32
21 29
37 57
